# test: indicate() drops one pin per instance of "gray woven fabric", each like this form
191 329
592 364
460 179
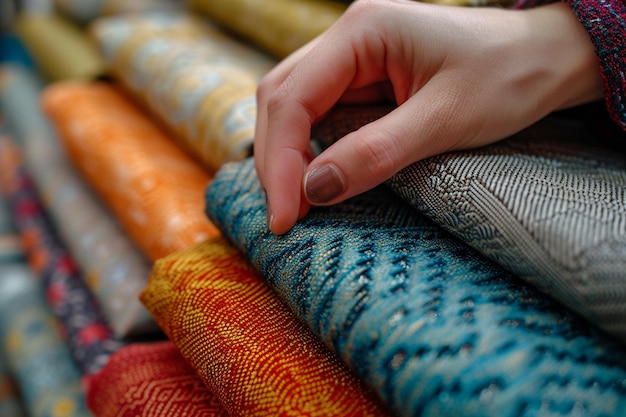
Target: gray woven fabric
548 204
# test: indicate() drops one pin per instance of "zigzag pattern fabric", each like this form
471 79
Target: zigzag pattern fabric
151 380
249 349
434 328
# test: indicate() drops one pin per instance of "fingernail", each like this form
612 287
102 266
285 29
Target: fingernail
323 183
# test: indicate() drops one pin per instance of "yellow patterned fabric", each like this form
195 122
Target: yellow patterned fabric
199 81
279 26
152 186
59 48
244 343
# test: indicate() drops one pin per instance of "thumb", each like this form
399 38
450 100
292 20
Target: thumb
367 157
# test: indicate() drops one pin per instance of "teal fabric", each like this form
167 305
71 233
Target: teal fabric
548 204
434 328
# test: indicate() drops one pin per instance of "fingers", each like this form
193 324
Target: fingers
369 156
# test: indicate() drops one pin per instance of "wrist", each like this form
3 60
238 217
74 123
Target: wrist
568 56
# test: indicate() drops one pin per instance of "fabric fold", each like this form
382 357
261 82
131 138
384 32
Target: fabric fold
433 327
244 343
151 185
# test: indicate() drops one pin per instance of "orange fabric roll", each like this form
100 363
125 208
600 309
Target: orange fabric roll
154 188
246 345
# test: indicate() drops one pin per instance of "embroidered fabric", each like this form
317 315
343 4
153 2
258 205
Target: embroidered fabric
246 345
434 328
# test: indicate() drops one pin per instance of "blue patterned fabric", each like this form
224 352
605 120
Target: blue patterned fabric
548 204
431 326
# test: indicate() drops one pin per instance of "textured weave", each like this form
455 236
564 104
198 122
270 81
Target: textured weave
112 265
244 343
279 26
194 77
48 379
154 188
549 204
88 335
432 327
151 380
59 49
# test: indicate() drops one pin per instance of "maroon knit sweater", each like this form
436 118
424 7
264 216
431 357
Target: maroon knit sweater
605 20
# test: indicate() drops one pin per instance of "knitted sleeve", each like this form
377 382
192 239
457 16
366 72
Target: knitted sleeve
605 20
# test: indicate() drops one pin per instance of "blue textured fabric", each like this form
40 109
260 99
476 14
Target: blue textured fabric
432 327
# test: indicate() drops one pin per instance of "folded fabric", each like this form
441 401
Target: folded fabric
112 265
430 325
88 334
48 379
59 49
547 204
151 380
84 11
279 26
199 81
152 186
248 348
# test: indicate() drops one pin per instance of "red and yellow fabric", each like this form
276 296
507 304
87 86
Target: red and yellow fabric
153 187
151 380
246 345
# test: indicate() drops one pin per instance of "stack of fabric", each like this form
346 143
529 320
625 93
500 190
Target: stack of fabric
138 276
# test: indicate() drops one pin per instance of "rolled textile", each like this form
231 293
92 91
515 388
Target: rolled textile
48 379
434 328
200 82
59 49
249 349
151 380
88 335
279 26
85 11
547 204
154 188
110 262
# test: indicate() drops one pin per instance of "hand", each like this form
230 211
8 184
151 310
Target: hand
461 78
